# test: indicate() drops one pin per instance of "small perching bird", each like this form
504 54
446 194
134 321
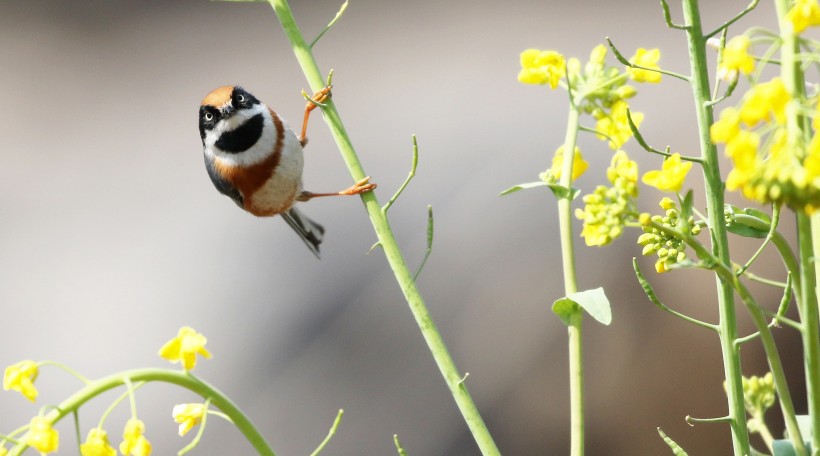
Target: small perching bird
253 157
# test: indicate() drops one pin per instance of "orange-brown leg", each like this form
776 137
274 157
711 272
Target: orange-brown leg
363 186
318 97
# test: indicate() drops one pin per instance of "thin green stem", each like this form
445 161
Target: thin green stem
386 238
183 379
714 202
330 433
575 333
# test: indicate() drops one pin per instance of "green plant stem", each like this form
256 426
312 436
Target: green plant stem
714 202
388 242
180 378
574 329
796 134
727 275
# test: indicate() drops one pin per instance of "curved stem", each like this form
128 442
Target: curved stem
386 238
183 379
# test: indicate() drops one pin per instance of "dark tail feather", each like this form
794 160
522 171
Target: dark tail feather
310 231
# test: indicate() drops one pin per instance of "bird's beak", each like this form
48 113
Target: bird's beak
228 111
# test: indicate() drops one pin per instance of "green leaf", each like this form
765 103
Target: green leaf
562 192
518 187
595 303
676 449
565 308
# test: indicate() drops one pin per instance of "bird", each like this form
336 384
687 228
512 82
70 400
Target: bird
254 157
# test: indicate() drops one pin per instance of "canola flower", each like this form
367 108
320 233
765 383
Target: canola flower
188 416
649 60
96 444
184 347
541 67
20 377
735 59
134 442
41 436
553 174
614 127
671 176
804 14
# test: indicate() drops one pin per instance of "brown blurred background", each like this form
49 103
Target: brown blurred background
112 236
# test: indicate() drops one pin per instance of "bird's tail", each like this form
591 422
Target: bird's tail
310 231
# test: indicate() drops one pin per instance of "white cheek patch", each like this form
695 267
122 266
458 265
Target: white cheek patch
256 153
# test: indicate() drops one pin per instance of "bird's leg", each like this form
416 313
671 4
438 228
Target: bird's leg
318 97
363 186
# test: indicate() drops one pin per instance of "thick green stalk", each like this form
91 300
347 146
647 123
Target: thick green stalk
714 202
454 380
183 379
576 365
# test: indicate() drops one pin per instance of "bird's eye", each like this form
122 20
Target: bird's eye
208 116
240 98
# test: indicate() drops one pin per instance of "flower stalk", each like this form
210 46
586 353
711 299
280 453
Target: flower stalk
574 327
183 379
386 238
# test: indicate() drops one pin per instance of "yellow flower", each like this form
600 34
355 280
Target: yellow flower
41 436
20 377
727 127
134 442
579 165
184 347
3 451
735 59
541 67
615 126
647 59
804 14
188 416
671 175
96 444
763 101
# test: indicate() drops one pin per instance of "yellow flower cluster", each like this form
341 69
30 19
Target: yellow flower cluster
777 169
670 249
607 208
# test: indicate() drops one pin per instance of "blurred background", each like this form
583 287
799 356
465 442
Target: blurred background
112 236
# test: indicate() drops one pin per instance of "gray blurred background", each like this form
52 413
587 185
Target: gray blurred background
112 236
